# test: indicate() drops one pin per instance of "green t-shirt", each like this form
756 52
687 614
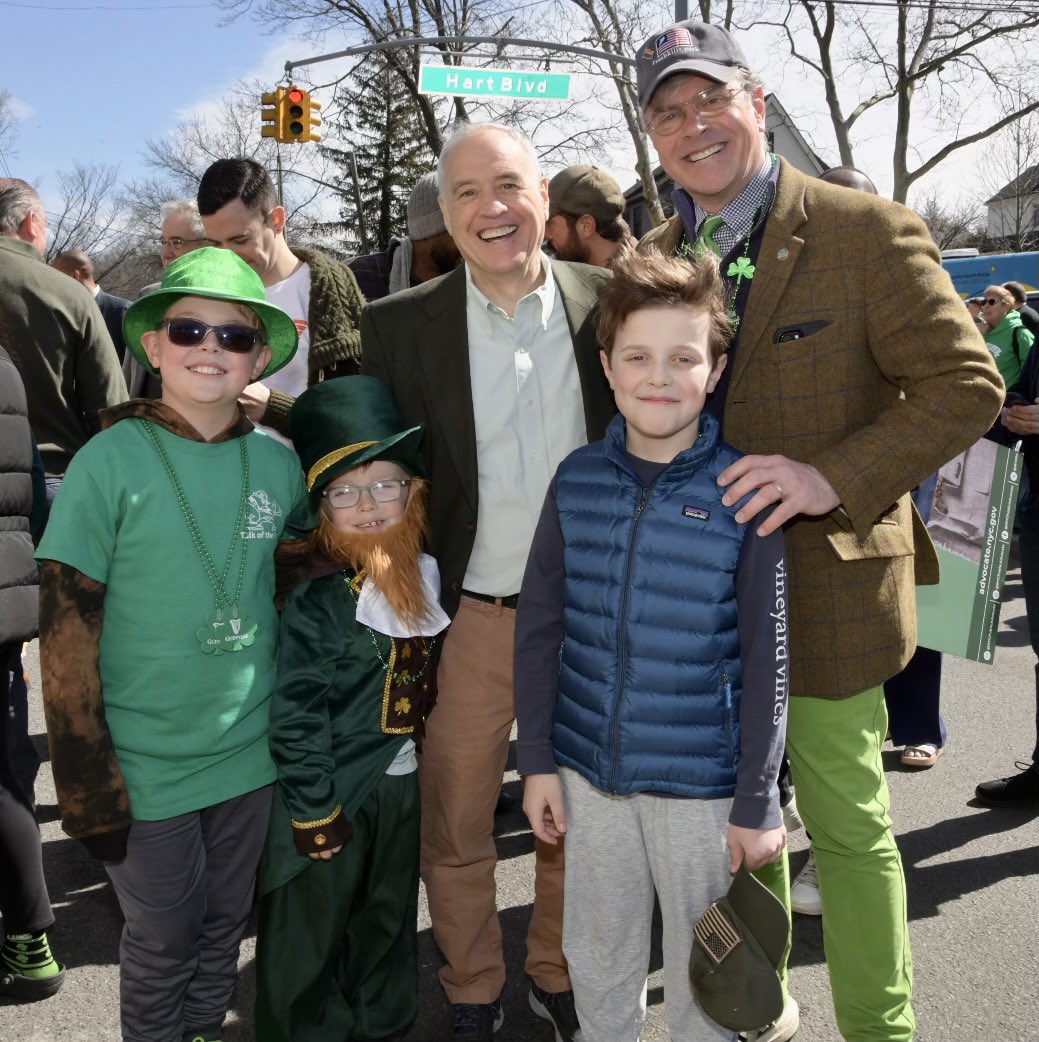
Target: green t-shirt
189 729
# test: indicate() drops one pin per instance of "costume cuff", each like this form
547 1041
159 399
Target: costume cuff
312 837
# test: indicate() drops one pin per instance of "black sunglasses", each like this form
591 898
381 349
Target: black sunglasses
190 332
991 301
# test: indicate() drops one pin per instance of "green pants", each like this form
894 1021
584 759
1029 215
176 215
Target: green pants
337 948
834 749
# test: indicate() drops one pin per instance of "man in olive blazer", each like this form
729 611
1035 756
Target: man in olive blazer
499 361
855 373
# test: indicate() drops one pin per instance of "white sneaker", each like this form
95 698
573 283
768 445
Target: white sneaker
804 891
783 1028
791 819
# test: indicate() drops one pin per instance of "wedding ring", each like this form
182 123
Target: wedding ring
779 489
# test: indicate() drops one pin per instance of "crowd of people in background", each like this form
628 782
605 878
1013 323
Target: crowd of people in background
518 469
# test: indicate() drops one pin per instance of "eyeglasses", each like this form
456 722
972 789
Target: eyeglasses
991 301
190 332
342 497
176 243
707 104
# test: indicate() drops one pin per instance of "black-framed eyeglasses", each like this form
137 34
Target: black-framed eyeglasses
389 490
190 332
991 301
177 243
707 104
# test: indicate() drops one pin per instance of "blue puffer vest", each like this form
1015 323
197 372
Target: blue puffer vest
649 678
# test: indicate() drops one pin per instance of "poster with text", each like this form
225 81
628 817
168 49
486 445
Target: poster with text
971 523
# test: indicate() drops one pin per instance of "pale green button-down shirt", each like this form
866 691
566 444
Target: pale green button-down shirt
529 414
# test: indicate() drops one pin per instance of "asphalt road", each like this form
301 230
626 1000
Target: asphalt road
971 872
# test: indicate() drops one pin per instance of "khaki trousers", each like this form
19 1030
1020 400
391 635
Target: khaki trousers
460 771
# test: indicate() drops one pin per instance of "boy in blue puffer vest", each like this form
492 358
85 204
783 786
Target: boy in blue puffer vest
651 660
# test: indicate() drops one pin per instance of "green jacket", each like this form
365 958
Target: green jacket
57 338
1009 344
337 720
334 319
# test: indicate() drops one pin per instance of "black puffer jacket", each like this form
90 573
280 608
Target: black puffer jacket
19 583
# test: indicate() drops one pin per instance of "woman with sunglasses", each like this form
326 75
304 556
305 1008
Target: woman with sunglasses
1007 338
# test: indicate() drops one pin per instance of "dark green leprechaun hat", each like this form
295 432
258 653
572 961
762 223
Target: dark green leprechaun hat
347 422
222 275
738 945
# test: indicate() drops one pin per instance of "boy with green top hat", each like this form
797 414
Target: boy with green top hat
337 949
159 636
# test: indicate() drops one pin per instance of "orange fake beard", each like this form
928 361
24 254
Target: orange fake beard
389 558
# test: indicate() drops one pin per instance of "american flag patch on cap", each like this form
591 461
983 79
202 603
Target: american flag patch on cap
717 935
676 39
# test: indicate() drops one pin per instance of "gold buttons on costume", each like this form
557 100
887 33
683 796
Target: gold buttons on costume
320 840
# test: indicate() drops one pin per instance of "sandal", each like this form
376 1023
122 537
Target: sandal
923 755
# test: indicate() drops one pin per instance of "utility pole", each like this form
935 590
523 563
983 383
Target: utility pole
357 201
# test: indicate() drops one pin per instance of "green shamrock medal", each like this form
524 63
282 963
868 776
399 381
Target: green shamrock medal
741 268
225 629
230 634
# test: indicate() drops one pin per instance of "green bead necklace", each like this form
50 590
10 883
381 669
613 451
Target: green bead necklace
739 269
405 675
218 635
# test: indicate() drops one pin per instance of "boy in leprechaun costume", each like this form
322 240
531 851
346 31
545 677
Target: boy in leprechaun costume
336 956
158 641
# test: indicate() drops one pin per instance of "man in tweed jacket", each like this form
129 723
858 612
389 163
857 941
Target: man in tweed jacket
855 373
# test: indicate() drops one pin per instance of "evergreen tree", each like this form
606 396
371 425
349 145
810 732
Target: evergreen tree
378 121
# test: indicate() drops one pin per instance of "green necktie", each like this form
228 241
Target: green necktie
706 240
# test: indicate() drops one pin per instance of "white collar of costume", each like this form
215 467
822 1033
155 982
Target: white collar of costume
374 611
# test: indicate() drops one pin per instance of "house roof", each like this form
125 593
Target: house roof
777 107
1026 183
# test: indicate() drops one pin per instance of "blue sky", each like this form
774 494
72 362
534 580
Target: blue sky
95 80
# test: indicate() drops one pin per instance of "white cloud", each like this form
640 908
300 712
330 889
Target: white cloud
22 109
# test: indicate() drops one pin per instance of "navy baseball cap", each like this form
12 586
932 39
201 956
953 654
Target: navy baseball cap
696 47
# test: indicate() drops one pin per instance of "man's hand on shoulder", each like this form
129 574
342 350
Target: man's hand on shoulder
755 847
543 805
793 488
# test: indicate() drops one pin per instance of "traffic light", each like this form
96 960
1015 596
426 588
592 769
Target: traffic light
299 116
288 115
272 115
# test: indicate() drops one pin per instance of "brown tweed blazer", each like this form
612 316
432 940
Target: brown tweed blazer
890 381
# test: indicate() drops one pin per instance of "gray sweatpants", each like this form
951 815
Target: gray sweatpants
619 850
186 889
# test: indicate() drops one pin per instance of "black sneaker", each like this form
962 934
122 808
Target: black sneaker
476 1021
19 988
1003 792
557 1007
